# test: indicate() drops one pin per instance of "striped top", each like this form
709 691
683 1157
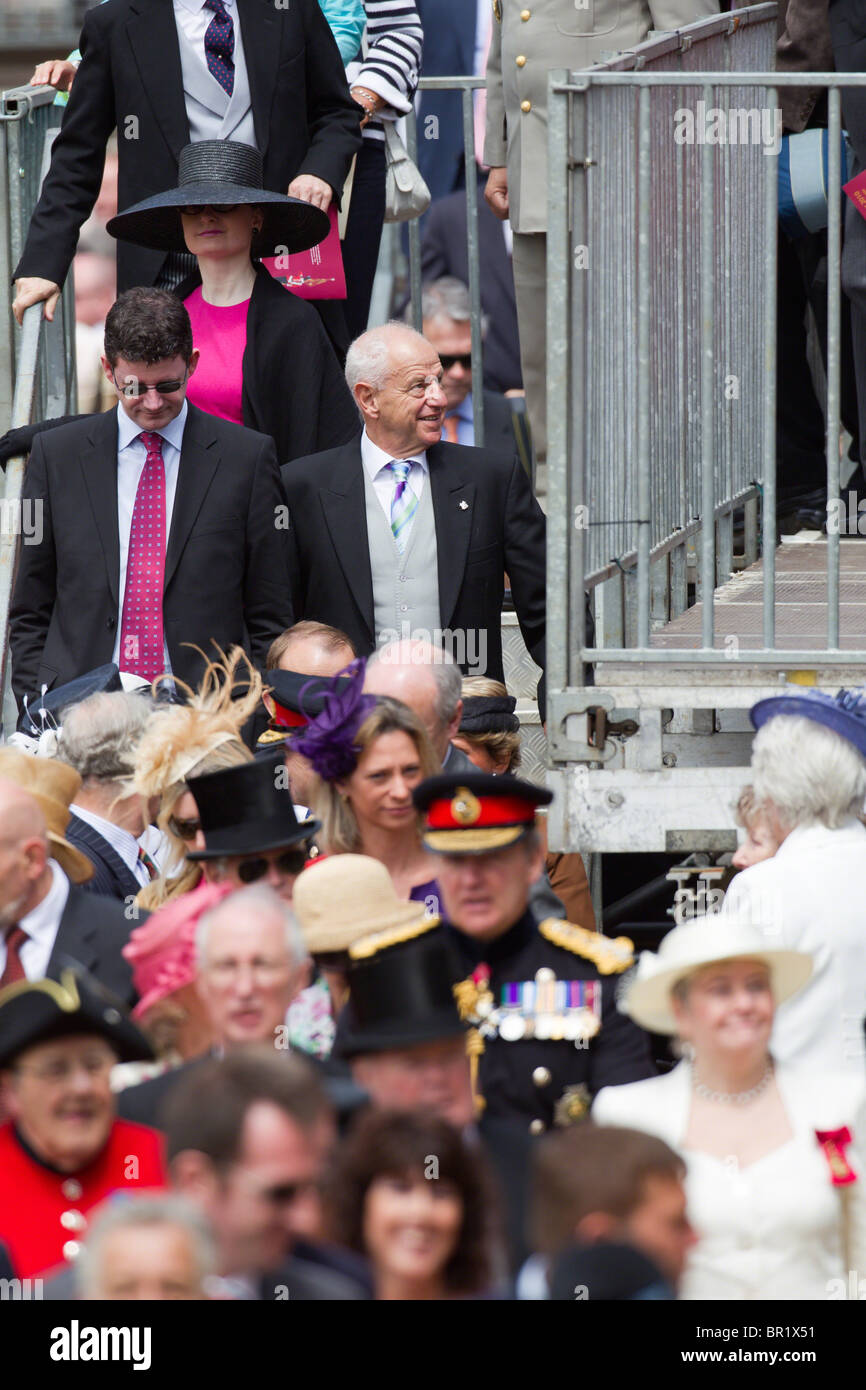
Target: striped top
392 65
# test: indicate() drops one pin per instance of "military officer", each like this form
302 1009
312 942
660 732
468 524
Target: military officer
63 1150
540 996
529 37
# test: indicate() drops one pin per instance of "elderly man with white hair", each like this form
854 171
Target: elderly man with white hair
155 1248
809 776
251 963
99 738
399 534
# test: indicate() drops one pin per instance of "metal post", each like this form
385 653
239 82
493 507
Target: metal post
564 543
414 230
708 501
643 366
834 228
771 231
473 262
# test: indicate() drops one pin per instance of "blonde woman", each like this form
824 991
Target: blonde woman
775 1152
190 740
369 753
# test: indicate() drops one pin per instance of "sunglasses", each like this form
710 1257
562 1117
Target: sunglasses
195 209
133 388
184 829
449 358
291 861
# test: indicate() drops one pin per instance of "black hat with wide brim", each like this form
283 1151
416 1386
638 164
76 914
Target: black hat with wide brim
248 809
400 993
222 172
74 1004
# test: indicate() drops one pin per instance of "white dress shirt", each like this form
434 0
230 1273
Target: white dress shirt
376 462
121 841
131 458
211 112
41 927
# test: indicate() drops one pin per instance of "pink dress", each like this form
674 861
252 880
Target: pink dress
220 333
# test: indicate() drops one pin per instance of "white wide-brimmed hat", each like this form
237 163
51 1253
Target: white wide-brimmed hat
697 943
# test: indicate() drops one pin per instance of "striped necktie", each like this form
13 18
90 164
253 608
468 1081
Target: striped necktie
404 503
219 45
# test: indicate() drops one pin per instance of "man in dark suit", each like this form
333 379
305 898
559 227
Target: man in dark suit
400 535
153 71
444 252
47 922
447 325
158 523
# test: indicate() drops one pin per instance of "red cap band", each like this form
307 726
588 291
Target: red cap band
288 718
494 810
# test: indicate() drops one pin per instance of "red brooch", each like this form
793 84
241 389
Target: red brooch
833 1142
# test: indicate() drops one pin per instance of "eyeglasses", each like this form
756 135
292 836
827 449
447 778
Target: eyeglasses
264 972
195 209
448 360
133 388
57 1073
291 861
185 830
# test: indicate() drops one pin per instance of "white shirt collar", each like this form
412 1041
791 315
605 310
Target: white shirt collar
122 841
196 6
128 431
41 924
375 459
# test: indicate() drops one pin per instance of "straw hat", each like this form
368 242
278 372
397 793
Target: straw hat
342 897
53 785
705 941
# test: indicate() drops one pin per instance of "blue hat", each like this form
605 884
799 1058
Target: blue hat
844 713
45 711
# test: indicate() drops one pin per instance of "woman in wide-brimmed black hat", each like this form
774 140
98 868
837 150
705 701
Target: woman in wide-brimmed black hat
266 360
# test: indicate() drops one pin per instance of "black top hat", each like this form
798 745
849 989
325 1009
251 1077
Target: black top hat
248 809
36 1011
476 812
45 711
221 172
400 992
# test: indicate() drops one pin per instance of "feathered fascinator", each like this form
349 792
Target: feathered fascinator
179 736
328 741
844 713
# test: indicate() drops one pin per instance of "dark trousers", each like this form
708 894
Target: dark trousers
363 233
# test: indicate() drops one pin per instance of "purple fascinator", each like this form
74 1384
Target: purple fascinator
328 741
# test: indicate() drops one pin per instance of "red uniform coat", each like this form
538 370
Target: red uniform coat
43 1213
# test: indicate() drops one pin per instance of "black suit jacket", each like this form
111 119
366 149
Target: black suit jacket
225 569
500 529
92 931
130 79
111 877
443 252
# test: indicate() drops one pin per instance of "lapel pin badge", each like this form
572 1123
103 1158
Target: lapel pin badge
464 505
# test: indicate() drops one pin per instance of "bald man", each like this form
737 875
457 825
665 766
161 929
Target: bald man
398 535
427 679
45 920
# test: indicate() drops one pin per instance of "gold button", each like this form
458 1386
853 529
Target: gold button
520 60
541 1077
524 15
72 1221
71 1250
526 106
71 1189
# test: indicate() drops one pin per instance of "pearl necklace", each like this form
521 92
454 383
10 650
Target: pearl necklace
736 1097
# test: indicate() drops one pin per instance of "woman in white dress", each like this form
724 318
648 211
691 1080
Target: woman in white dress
775 1154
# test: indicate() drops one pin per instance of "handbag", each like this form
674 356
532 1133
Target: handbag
406 193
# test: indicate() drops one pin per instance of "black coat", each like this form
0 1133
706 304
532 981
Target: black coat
500 529
225 567
92 931
524 1079
293 388
111 877
130 80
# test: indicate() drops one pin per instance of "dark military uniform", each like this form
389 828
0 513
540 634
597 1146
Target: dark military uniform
541 1000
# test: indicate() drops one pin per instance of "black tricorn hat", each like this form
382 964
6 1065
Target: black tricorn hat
400 992
221 172
37 1011
248 809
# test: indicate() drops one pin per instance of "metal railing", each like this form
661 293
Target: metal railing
661 338
37 362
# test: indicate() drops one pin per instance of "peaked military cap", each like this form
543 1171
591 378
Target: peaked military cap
475 812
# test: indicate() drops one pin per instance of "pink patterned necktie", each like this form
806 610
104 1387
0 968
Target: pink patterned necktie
219 45
142 649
